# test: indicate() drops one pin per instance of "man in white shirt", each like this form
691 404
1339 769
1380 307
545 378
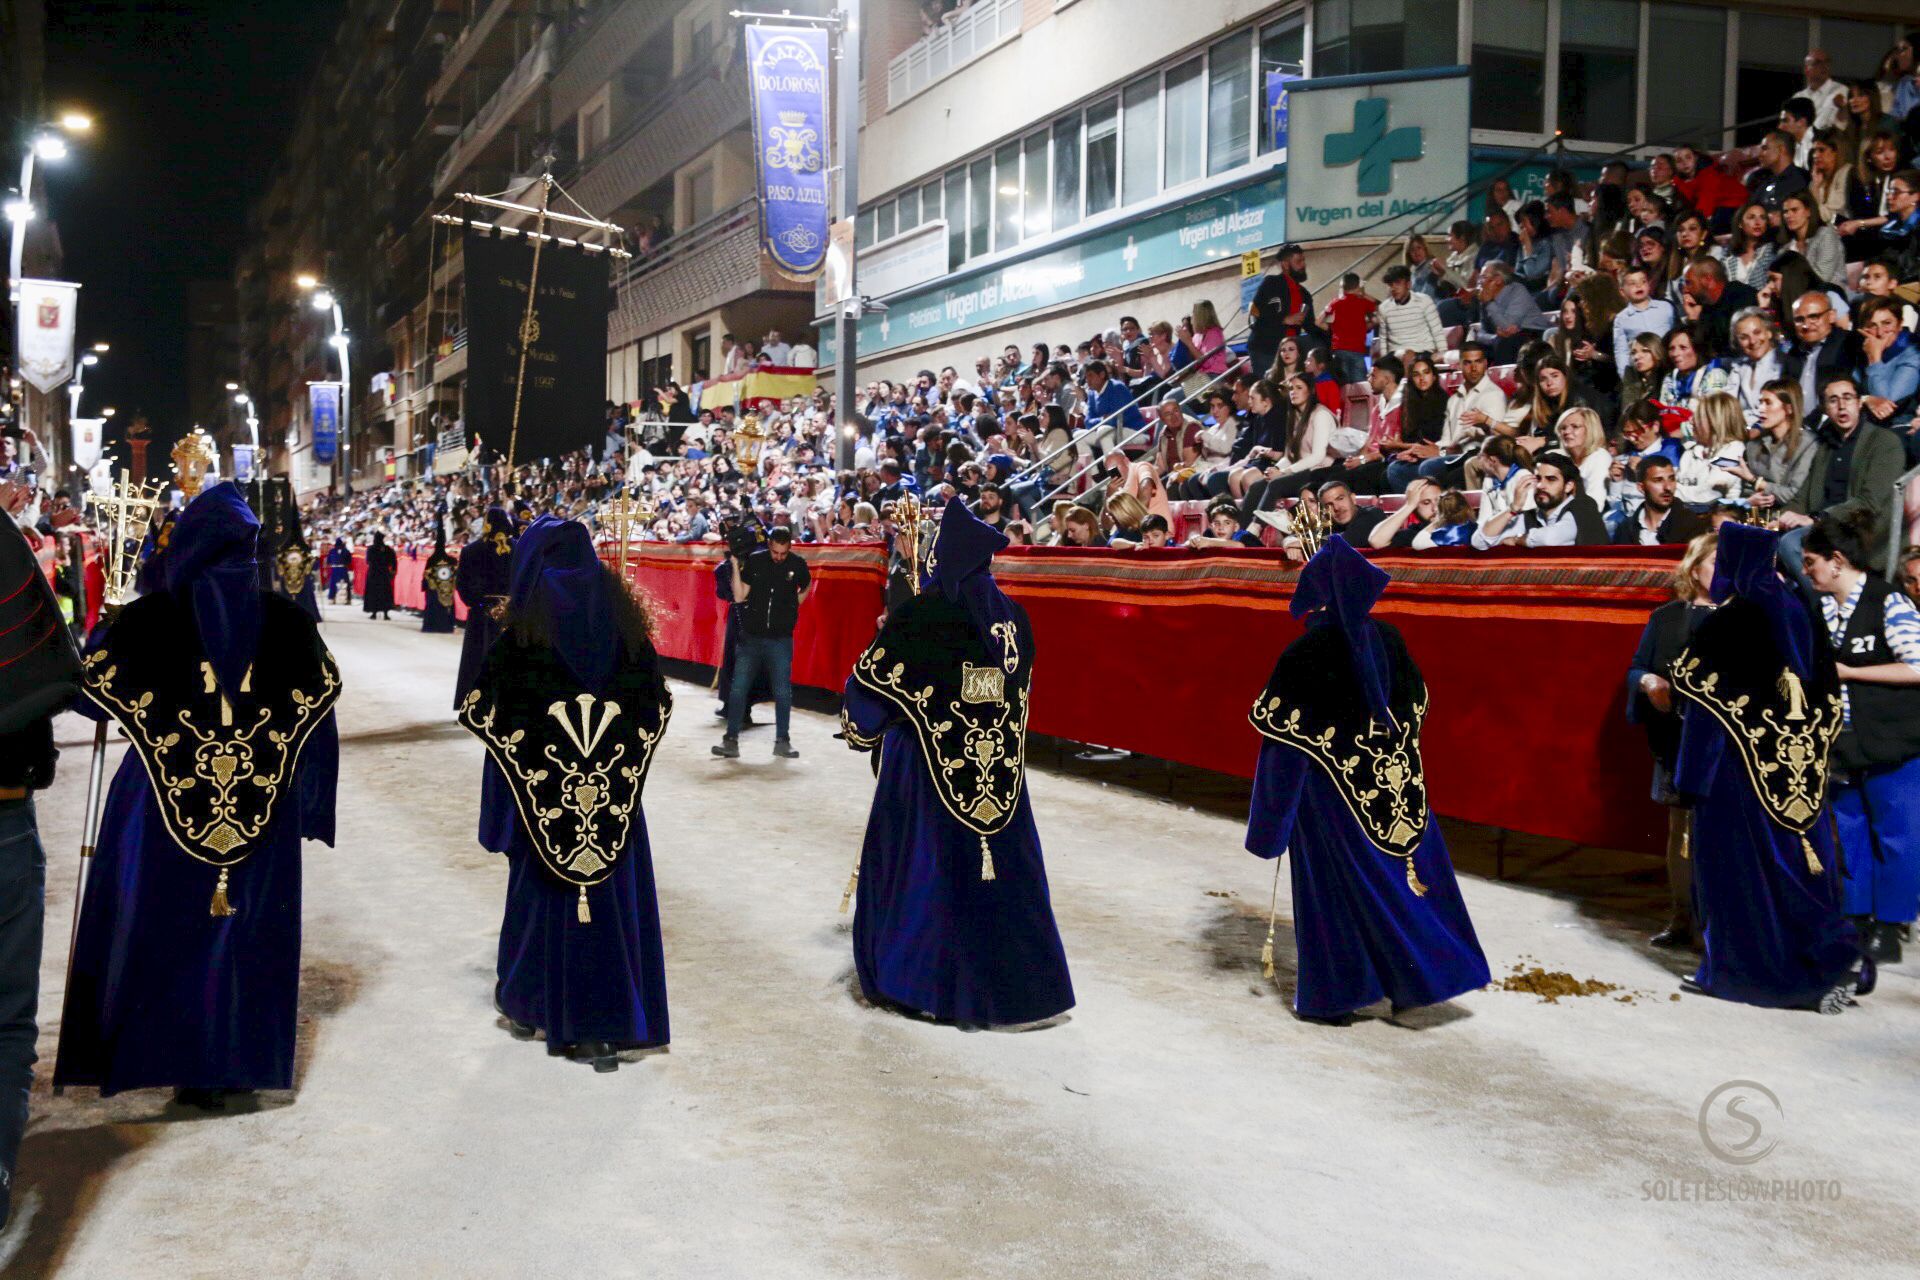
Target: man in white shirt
1409 322
803 356
1560 515
777 352
1829 98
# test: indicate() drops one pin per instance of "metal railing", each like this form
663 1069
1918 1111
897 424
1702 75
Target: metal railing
683 245
958 40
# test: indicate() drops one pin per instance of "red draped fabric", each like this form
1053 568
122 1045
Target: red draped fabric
1525 655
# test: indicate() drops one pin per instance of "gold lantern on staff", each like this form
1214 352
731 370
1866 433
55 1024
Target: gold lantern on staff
193 457
749 439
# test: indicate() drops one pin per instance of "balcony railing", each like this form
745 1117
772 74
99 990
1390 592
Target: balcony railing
535 65
706 266
958 40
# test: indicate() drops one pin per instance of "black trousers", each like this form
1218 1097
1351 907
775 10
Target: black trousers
23 882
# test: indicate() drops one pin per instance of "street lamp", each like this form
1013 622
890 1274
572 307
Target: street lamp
44 143
325 300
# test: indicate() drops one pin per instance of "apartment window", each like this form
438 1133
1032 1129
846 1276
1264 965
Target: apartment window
884 225
956 205
1282 51
1688 106
1353 36
1033 186
1229 102
930 202
1006 196
700 42
1103 156
1066 171
1185 98
1599 68
1509 64
866 229
909 211
1140 141
699 356
593 126
699 195
979 205
1772 49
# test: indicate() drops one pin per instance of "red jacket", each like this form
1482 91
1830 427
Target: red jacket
1711 189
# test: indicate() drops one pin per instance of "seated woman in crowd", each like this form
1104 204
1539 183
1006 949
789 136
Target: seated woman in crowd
1650 250
1830 180
1554 392
1503 469
1750 250
1080 527
1867 214
1263 435
1646 368
1714 456
1308 449
1893 369
1287 361
1758 362
1805 232
1646 209
1775 463
1694 370
1692 241
1211 454
1209 340
1582 437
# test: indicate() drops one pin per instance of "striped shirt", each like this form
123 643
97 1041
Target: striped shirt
1901 627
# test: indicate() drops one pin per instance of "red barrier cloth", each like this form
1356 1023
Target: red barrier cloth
409 582
1525 654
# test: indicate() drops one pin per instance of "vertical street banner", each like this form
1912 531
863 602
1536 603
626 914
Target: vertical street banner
323 420
243 463
44 336
89 438
788 70
561 385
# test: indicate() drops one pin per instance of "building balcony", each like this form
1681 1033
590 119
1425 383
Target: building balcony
704 267
521 86
465 46
693 115
963 37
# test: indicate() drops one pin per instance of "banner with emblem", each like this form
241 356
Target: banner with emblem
788 77
44 334
323 419
560 387
89 437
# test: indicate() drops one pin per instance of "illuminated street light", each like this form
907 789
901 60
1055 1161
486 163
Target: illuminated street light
19 212
76 122
323 301
89 359
107 412
307 281
50 146
233 386
102 348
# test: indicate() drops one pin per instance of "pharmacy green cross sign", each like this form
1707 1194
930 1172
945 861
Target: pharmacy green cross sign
1373 146
1376 155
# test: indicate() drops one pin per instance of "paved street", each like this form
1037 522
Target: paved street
1179 1123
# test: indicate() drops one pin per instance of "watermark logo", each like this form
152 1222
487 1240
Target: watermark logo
1739 1120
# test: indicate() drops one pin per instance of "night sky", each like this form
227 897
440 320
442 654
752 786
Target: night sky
192 100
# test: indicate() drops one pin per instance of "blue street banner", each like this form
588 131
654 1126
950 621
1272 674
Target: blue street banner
242 463
323 419
788 69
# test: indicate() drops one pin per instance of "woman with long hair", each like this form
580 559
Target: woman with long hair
1288 359
1554 392
1263 438
1805 232
1715 452
580 958
1210 340
1423 403
1751 247
1692 241
1830 177
1650 251
1867 214
1777 460
1309 449
1651 704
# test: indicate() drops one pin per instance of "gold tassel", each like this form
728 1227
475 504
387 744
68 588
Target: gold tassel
1686 838
1273 912
1813 859
1413 881
853 882
986 860
220 906
586 916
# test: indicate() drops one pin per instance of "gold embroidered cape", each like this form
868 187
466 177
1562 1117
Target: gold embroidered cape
967 701
575 760
221 762
1783 730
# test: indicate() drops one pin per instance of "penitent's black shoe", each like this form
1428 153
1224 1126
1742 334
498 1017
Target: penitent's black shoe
1672 938
200 1099
1882 943
597 1052
784 749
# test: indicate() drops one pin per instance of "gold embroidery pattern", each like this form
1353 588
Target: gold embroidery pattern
977 761
1008 636
577 809
502 544
1377 773
1785 756
855 739
441 581
295 565
982 684
218 785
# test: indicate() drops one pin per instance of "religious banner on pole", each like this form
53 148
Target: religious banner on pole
44 336
89 435
788 79
323 419
560 387
242 463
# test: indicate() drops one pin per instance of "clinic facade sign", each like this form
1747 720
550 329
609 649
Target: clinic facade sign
1374 155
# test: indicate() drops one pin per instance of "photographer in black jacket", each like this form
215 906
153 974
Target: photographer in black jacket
771 585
